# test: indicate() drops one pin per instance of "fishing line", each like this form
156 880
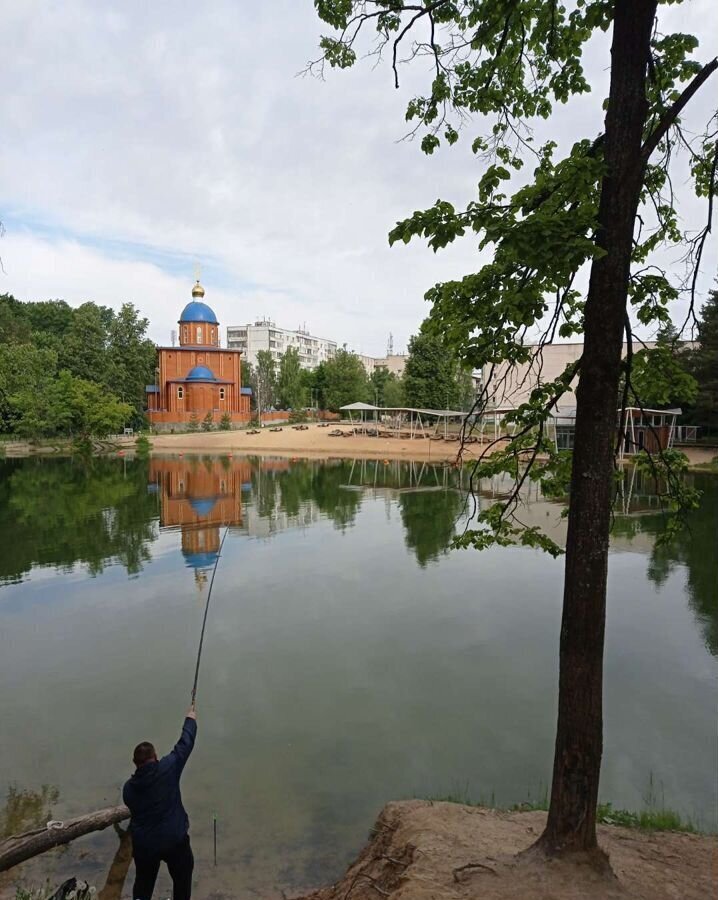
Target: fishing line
215 838
204 620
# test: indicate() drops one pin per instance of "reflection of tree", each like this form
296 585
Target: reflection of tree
302 483
63 511
117 874
696 548
25 809
295 487
336 502
429 518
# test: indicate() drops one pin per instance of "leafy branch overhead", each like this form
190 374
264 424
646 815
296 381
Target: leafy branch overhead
498 68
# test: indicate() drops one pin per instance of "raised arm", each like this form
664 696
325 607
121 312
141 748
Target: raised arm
184 745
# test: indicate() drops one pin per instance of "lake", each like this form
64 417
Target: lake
350 657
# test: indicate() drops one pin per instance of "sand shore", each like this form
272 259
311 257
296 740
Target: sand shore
314 442
317 442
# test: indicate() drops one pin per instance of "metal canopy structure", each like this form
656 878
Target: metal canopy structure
404 421
639 429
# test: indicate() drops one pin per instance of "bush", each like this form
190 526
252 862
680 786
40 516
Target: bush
193 423
296 416
142 445
207 422
226 422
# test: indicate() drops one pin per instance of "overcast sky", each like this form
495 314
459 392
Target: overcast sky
140 138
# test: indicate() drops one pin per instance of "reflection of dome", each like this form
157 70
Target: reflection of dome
200 373
200 560
197 311
203 506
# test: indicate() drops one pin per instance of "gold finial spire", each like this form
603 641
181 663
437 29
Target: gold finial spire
197 290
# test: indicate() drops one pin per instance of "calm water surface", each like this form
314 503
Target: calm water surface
350 658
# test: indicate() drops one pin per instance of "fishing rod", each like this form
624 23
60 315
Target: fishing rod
204 619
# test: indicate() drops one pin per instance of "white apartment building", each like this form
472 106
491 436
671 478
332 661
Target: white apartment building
266 335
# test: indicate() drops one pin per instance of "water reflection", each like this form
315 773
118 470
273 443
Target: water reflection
64 511
695 547
262 497
25 809
119 867
198 498
350 658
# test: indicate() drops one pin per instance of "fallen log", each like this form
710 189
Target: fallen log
19 847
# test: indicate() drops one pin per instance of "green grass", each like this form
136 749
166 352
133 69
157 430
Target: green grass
711 466
647 820
653 818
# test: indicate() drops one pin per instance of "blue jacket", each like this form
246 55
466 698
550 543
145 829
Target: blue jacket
158 819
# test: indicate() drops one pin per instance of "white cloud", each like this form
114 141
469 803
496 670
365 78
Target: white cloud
171 131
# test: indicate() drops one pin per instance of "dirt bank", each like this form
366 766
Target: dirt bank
418 846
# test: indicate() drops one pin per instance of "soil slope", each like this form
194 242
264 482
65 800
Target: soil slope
418 848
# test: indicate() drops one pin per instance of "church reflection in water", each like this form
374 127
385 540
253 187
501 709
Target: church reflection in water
261 497
200 497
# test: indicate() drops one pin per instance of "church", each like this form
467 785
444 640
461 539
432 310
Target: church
198 376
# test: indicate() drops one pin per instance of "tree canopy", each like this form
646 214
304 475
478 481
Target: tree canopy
66 370
386 388
660 376
433 377
290 384
703 364
266 380
345 380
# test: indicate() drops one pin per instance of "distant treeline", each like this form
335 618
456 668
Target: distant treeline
72 371
433 378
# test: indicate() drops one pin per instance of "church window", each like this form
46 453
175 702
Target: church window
184 332
199 334
180 392
221 393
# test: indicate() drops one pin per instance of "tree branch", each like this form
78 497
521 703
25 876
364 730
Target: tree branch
673 111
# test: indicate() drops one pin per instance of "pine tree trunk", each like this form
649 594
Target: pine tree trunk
571 824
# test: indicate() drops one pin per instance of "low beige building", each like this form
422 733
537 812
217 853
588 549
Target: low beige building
510 386
394 363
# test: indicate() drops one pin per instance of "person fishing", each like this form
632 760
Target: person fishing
158 822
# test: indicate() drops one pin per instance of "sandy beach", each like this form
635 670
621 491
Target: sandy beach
314 442
318 442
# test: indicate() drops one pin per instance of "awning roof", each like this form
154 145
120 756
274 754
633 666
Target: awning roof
367 407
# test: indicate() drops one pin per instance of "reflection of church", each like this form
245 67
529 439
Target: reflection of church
199 497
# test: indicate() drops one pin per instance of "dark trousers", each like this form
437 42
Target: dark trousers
180 863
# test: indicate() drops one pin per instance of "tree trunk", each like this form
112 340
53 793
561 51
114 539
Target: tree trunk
20 847
571 824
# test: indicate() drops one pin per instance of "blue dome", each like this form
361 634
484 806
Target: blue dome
200 373
200 560
203 506
195 311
